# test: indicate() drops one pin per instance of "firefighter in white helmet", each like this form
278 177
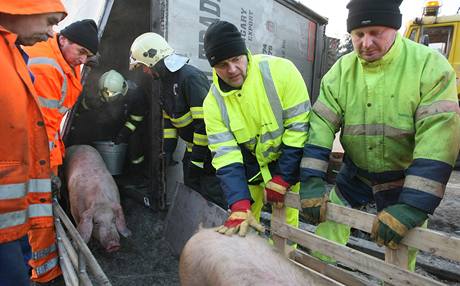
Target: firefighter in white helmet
183 88
112 88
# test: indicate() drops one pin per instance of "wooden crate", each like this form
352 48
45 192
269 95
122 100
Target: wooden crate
392 271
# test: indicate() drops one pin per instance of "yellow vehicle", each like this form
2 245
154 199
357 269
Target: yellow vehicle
441 33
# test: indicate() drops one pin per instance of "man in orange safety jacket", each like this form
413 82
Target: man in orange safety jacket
56 67
25 185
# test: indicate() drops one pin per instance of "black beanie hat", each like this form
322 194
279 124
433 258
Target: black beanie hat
84 33
223 41
363 13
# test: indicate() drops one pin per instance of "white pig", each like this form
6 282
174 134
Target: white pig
94 197
210 258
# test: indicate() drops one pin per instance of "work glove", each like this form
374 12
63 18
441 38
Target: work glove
122 136
313 200
392 224
275 189
240 220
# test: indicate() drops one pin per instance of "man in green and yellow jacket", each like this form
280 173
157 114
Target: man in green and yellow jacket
395 103
256 116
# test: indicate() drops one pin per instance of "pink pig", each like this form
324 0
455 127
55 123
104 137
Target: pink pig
94 197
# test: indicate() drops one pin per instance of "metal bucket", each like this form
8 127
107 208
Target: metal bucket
112 154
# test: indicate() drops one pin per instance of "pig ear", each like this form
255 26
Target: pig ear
85 227
120 221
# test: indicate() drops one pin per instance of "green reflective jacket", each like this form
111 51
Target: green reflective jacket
399 113
271 110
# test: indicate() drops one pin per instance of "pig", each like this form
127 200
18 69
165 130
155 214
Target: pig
210 258
94 198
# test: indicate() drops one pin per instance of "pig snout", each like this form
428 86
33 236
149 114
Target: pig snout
110 240
113 246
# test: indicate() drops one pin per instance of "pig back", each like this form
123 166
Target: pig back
88 180
210 258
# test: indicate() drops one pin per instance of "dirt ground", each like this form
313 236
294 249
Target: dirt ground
144 258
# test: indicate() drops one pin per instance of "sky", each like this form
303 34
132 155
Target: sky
336 12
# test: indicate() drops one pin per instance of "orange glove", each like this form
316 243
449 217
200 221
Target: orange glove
240 220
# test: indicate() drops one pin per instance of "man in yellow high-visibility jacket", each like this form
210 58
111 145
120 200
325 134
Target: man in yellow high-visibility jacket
395 102
256 117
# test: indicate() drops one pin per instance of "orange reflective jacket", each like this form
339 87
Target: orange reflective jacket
58 86
25 186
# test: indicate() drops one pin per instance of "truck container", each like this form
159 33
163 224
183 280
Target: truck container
282 28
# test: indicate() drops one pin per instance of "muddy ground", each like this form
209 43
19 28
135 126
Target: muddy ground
144 258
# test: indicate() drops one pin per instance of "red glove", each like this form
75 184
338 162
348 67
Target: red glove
240 220
275 189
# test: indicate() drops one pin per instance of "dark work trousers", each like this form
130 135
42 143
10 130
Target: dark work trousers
136 143
207 185
13 269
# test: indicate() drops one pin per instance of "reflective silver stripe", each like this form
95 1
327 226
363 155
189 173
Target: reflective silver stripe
52 103
272 149
136 118
297 110
138 160
388 186
50 264
324 111
271 135
274 100
15 191
44 252
183 121
12 219
376 129
221 151
314 164
425 185
220 137
221 104
441 106
298 126
38 210
19 217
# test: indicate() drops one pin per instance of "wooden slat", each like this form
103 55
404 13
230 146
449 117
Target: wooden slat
352 258
433 242
67 244
398 257
279 242
70 276
94 266
327 269
318 278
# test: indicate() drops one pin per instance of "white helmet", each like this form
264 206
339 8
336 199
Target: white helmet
148 49
112 85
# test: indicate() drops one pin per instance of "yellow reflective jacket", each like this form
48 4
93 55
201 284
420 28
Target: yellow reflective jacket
399 122
265 121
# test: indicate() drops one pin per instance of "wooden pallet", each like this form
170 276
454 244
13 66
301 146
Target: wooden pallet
392 271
